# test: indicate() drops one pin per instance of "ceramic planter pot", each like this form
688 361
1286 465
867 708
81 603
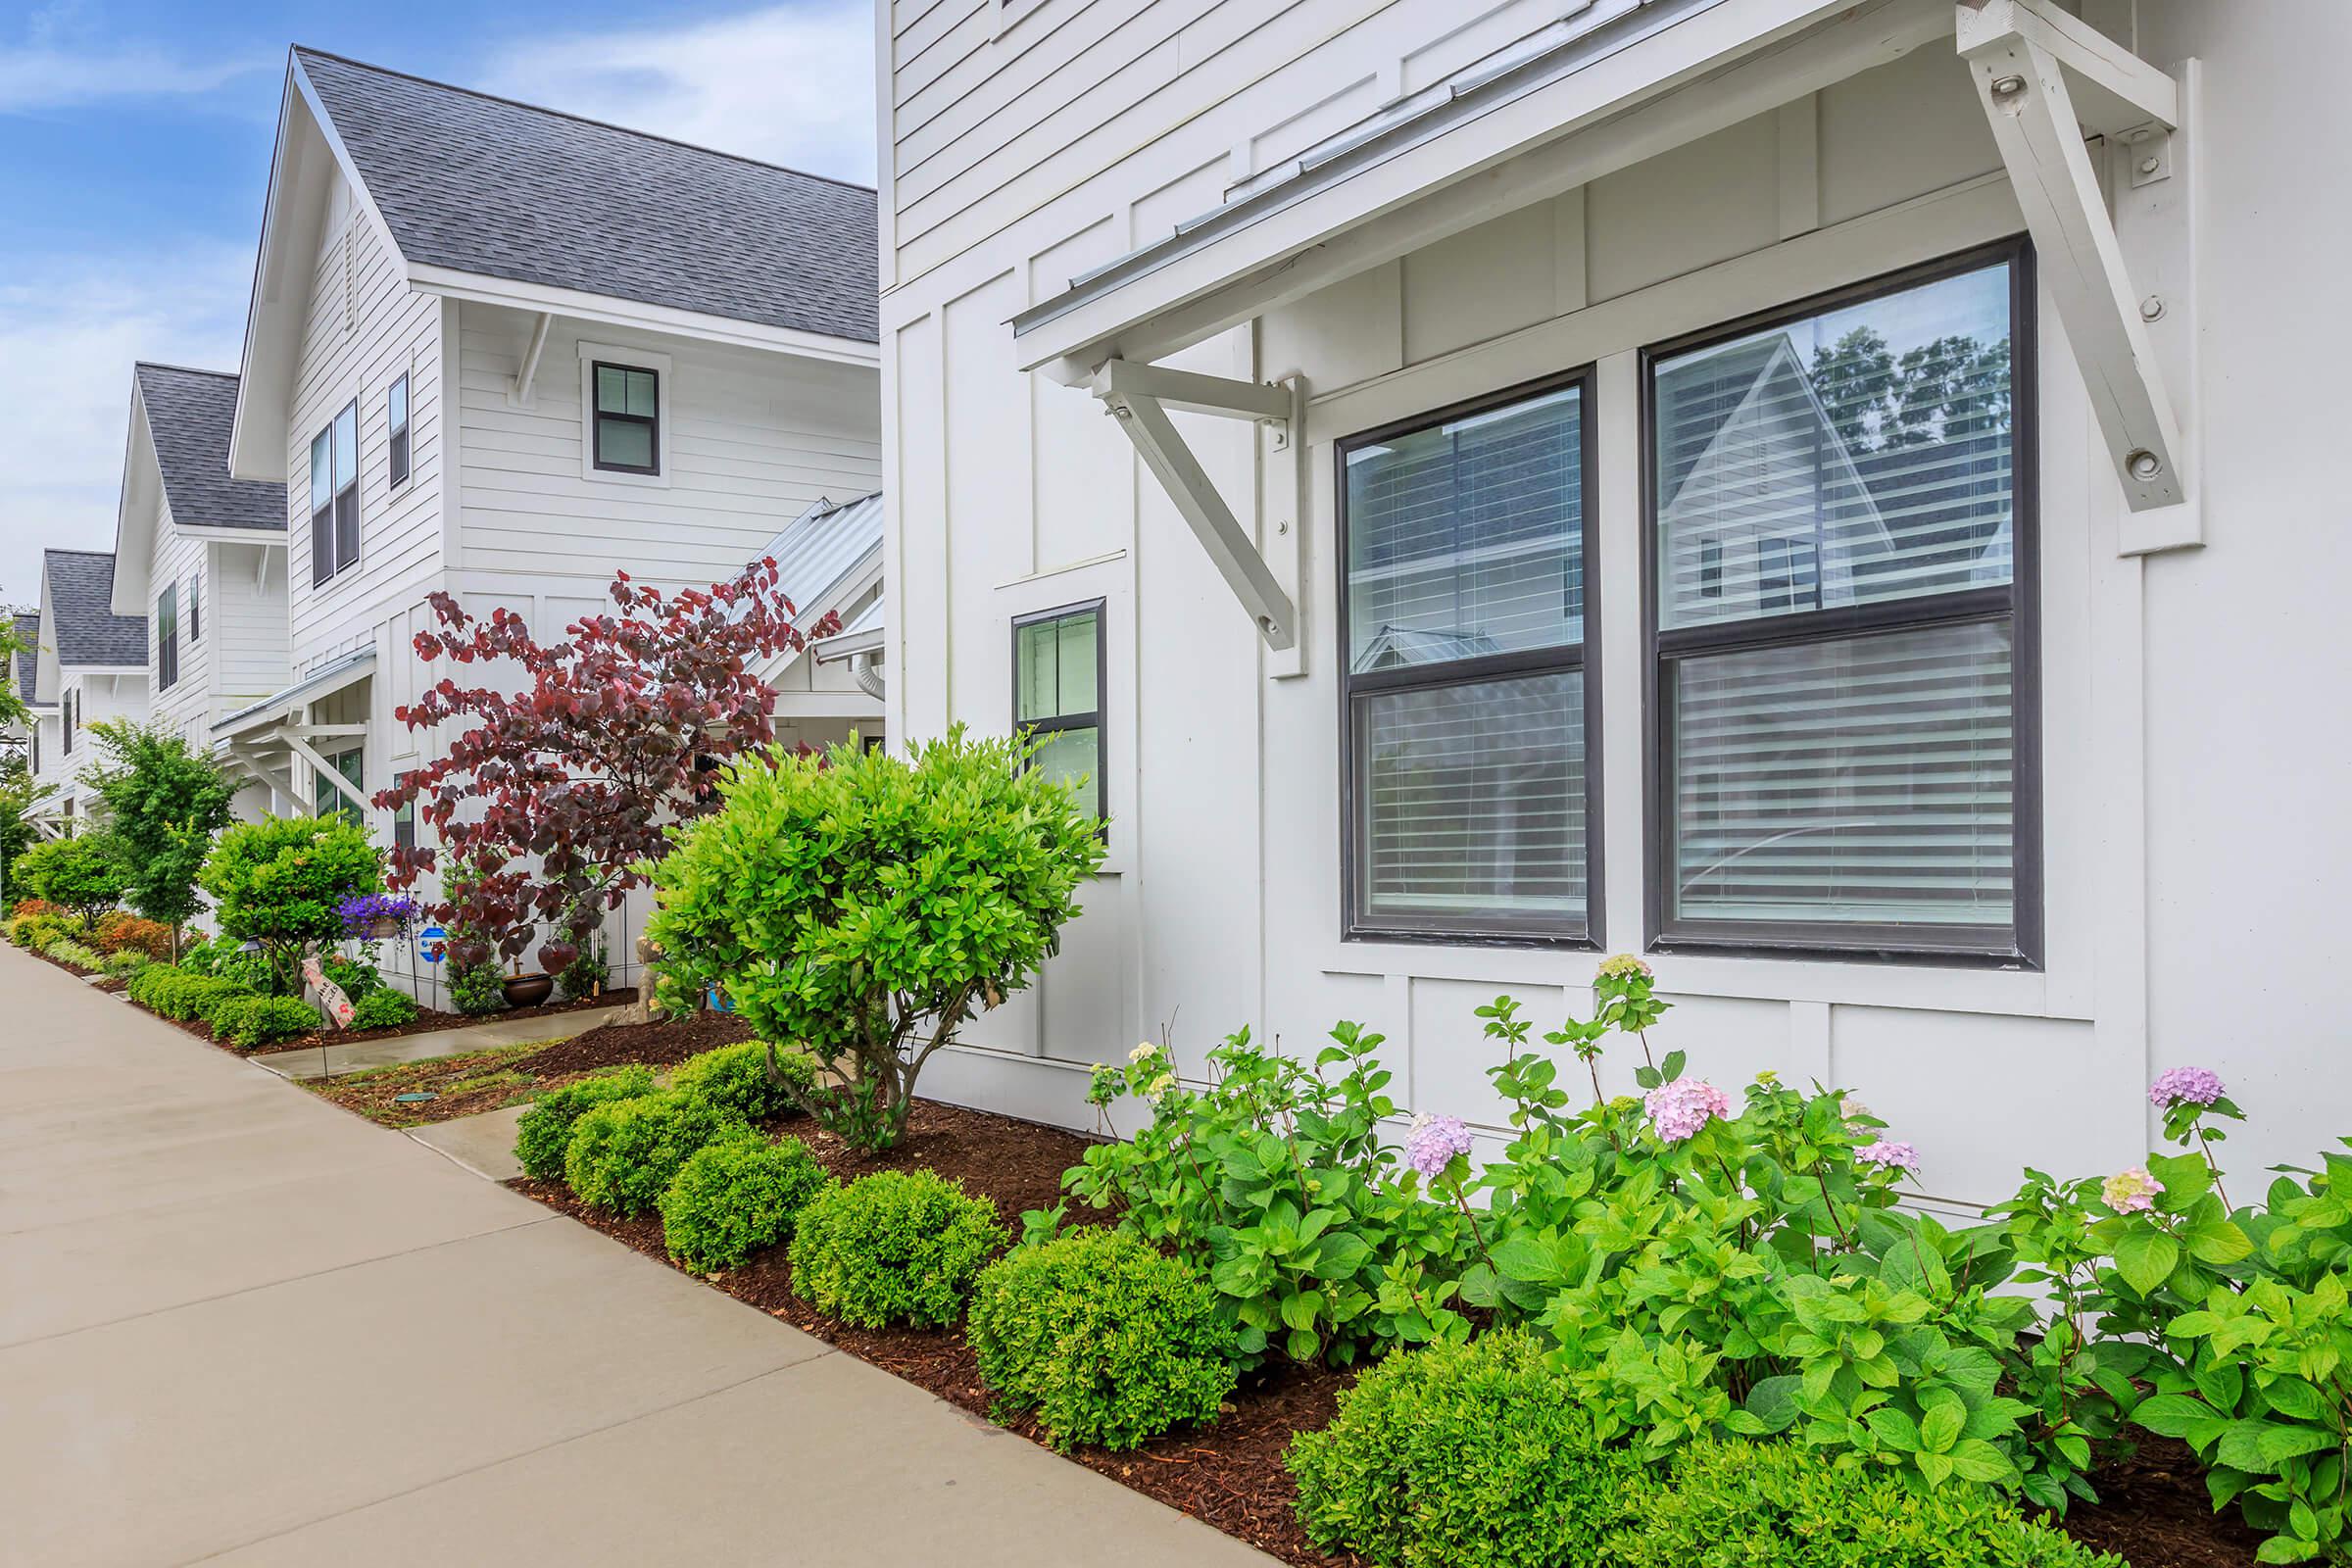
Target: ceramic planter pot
528 990
383 928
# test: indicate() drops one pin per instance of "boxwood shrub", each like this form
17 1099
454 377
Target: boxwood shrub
545 1130
897 1246
1106 1338
1461 1456
623 1154
736 1078
174 993
733 1197
383 1009
246 1022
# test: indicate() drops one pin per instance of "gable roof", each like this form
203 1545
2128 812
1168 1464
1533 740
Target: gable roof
188 417
27 627
84 627
485 185
818 551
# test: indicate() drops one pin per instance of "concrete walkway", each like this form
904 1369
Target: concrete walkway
240 1325
361 1054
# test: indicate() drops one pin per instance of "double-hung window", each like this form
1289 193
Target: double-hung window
395 427
1467 702
628 418
1058 695
166 638
336 495
1841 539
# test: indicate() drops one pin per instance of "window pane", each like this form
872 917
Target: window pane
1472 803
1466 538
1857 456
1867 779
322 543
623 444
1053 671
641 394
167 613
612 391
195 606
396 404
323 474
347 445
1066 755
347 529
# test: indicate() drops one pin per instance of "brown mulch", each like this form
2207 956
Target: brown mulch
1231 1475
658 1045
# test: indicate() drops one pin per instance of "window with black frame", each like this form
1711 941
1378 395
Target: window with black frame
628 418
1840 595
1467 703
1058 695
396 432
336 495
166 638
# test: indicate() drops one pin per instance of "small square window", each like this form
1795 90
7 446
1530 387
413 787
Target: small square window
628 418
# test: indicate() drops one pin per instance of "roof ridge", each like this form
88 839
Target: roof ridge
183 370
584 119
60 550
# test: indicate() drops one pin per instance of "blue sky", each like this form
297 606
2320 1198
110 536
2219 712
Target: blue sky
134 148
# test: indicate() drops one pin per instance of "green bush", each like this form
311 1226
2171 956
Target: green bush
736 1078
733 1197
865 904
276 882
383 1009
582 976
624 1155
1108 1339
357 976
66 950
246 1022
34 932
475 989
129 961
1460 1456
1732 1504
174 993
88 873
545 1131
897 1246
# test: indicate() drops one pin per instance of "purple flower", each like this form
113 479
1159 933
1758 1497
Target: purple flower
1679 1110
1893 1155
2130 1192
360 912
1434 1141
2185 1086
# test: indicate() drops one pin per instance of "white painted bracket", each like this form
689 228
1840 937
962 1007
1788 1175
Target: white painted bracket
1141 396
519 395
2023 55
1284 508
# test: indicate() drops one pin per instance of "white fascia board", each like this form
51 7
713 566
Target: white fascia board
1649 94
106 670
134 525
479 288
226 536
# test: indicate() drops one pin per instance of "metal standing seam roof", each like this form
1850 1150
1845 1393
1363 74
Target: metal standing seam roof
84 628
27 625
188 417
820 546
486 185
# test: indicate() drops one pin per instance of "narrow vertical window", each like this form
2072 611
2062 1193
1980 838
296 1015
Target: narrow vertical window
166 638
195 605
1058 695
629 419
336 495
396 425
404 821
1466 706
1840 602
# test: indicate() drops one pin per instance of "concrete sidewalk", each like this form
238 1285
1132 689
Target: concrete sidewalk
238 1324
360 1056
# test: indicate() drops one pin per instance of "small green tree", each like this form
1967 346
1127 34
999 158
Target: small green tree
19 797
277 883
166 800
87 875
864 905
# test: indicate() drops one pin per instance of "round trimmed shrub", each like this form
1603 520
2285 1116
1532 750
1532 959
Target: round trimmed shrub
247 1022
383 1009
544 1133
624 1155
1734 1505
1106 1338
736 1078
897 1246
1469 1456
736 1195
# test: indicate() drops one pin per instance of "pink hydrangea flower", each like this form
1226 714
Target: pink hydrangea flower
1894 1155
2185 1086
1679 1110
1434 1141
1624 967
2130 1192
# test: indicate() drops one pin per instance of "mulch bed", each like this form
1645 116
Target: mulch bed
1231 1474
658 1045
429 1019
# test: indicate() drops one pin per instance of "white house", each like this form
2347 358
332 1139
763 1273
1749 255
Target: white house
503 353
1835 498
91 666
23 674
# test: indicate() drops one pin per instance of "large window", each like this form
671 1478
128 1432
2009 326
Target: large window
328 800
166 638
1058 695
396 438
1468 704
1843 552
336 495
628 418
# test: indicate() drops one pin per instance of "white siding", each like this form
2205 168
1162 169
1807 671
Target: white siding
187 705
245 623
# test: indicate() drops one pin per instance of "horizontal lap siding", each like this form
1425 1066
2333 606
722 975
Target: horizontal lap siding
245 622
186 706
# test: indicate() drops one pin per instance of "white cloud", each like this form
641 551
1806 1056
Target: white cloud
71 329
788 84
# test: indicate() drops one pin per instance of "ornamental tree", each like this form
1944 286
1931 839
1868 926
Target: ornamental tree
280 883
578 777
164 801
86 873
864 906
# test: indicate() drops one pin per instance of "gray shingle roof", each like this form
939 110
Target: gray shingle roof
188 415
28 658
484 185
84 627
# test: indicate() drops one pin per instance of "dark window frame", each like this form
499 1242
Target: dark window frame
2018 945
166 638
396 433
66 706
195 606
1094 719
596 416
1590 935
403 817
342 507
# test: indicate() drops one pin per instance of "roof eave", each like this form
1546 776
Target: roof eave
134 524
606 310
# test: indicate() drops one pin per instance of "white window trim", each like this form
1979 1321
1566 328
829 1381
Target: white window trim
639 359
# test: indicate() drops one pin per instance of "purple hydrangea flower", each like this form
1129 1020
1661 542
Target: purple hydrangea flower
2130 1192
2185 1086
1434 1141
1679 1110
1893 1155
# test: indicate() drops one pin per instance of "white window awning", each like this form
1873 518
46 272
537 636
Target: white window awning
329 678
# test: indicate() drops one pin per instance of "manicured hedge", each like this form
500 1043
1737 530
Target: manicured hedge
174 993
897 1246
624 1155
736 1079
545 1130
736 1195
247 1022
